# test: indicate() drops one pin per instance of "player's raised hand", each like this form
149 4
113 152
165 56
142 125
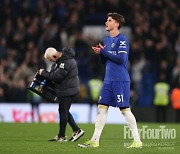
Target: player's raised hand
96 49
100 45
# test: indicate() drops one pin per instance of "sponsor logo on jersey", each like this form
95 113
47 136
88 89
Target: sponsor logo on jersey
122 44
112 52
122 47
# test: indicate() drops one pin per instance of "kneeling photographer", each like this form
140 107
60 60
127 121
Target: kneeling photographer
64 74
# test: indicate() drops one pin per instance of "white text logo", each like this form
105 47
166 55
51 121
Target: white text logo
152 133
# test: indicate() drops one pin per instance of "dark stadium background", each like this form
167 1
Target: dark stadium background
28 27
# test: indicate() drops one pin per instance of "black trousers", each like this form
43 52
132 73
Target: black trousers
65 116
161 113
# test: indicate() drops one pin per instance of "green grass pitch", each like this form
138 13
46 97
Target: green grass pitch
22 138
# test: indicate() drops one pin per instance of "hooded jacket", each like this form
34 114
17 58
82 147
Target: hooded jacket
64 74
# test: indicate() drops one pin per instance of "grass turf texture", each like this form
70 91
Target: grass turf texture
22 138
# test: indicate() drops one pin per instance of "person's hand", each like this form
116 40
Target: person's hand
101 46
97 48
40 71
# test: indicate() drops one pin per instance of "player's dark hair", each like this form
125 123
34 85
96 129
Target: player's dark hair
118 18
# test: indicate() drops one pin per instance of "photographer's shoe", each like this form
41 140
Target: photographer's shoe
76 135
58 139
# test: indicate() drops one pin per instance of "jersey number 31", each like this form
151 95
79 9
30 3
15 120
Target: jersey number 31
119 98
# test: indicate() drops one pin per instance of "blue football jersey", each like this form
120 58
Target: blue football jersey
115 55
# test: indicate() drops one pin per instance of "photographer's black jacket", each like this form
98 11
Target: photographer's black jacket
64 74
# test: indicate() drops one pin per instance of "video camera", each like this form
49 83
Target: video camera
43 87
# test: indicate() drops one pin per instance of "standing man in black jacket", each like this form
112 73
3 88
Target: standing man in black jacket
64 74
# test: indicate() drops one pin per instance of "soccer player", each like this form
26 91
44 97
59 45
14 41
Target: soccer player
116 86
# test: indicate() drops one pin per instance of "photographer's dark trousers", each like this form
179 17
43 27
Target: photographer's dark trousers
65 116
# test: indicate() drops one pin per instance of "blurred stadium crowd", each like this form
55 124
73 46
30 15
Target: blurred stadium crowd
28 27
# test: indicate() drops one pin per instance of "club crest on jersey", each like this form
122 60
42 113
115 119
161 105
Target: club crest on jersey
112 45
61 65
